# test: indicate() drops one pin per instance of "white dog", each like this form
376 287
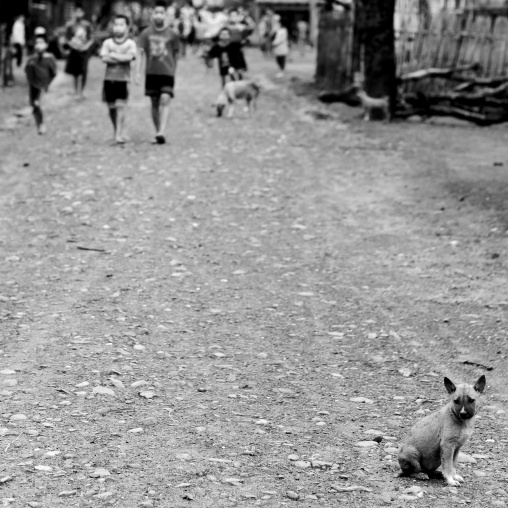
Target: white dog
233 90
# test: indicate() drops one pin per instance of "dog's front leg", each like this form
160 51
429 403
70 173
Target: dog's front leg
456 476
231 109
447 455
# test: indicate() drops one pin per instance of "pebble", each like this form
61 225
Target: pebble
67 493
262 422
104 495
34 504
366 444
103 390
117 382
7 372
302 464
362 399
100 472
43 468
147 394
320 424
413 490
139 347
10 382
137 384
17 417
480 473
183 456
136 431
391 450
292 495
293 457
466 459
148 421
146 504
407 497
311 497
82 385
498 502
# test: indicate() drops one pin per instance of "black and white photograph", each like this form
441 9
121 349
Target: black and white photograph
253 253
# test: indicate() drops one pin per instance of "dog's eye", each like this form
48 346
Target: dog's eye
457 401
470 400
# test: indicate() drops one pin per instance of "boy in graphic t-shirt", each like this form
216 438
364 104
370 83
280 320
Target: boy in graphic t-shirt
117 53
158 45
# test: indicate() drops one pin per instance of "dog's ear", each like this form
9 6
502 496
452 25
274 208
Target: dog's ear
479 386
450 387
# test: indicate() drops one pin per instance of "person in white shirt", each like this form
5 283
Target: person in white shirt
18 38
280 45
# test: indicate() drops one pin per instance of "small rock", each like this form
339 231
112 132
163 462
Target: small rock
17 417
10 382
262 422
147 394
100 472
136 431
148 421
293 457
44 468
67 493
481 474
413 490
311 497
407 497
6 479
146 504
103 390
104 495
82 385
137 384
366 444
34 504
302 464
7 372
465 458
292 495
117 382
362 400
139 347
183 456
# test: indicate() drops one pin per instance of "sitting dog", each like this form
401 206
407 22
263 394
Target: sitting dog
369 104
437 439
233 90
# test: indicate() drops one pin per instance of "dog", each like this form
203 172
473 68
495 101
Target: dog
370 104
233 90
437 439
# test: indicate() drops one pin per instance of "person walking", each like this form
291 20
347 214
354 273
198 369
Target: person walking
158 54
117 53
229 55
40 71
18 39
302 28
280 45
78 33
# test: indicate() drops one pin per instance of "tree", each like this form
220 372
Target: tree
374 21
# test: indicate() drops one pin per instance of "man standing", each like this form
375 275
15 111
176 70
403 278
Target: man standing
158 46
18 38
78 34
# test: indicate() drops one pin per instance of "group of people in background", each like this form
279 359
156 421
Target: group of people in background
155 47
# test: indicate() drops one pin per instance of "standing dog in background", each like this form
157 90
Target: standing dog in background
233 90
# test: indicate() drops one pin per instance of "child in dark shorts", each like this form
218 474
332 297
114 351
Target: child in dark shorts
159 46
117 53
230 56
40 72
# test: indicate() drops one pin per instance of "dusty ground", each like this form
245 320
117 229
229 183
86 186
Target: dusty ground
250 279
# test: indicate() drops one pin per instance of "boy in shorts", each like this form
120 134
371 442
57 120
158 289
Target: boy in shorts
40 72
117 53
158 45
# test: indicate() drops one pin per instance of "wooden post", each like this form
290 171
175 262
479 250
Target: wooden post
313 21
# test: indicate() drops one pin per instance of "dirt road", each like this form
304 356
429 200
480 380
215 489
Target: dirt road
222 320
